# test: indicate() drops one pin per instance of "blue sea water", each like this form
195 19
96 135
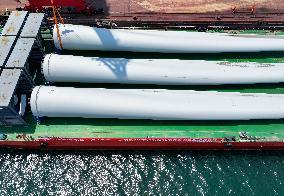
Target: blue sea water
142 173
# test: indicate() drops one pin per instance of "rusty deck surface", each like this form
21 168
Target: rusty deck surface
10 5
112 7
234 14
184 6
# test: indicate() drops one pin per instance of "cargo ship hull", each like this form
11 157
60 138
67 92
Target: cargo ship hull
139 144
54 133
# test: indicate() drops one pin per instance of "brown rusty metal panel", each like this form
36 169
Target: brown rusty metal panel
12 4
183 6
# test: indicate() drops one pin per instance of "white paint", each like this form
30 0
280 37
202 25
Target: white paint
68 68
154 104
78 37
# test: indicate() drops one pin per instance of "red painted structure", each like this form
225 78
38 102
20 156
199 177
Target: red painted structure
39 5
139 144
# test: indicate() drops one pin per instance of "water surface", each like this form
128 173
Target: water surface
142 173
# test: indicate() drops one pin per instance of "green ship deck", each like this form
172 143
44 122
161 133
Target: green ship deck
269 130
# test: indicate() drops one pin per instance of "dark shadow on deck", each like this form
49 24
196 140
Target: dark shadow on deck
258 88
253 56
28 129
127 122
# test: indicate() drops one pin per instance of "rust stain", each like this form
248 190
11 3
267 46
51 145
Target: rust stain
2 97
17 13
16 63
4 40
11 29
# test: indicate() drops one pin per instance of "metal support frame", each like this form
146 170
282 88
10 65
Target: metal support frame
20 42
